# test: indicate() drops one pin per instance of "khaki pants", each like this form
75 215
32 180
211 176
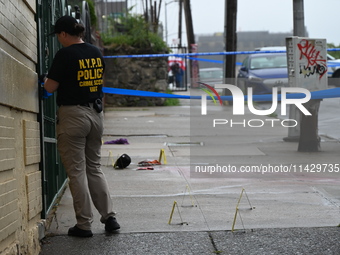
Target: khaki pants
79 131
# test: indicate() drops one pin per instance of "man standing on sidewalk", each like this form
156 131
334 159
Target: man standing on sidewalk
77 76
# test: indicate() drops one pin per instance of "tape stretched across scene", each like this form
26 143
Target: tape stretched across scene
321 94
203 54
194 55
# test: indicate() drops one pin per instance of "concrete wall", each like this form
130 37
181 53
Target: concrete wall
20 178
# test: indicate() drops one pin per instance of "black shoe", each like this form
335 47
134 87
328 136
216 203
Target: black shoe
111 224
75 231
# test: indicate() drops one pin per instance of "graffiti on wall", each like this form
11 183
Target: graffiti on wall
311 60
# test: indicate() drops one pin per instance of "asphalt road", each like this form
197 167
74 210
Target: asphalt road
328 118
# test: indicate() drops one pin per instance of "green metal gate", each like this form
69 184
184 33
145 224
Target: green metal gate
53 174
54 177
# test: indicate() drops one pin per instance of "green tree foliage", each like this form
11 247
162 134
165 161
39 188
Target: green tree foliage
132 31
92 12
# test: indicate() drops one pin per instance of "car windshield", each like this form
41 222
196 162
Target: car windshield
211 74
330 57
265 62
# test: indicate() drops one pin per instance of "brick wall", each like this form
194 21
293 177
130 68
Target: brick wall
20 178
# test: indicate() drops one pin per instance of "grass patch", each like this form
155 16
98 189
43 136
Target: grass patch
171 101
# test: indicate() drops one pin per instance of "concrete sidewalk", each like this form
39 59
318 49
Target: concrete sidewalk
287 211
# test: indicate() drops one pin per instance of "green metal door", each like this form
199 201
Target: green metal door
53 174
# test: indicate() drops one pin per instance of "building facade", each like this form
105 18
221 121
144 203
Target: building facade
20 177
31 174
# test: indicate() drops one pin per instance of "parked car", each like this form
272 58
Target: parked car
333 64
263 72
211 76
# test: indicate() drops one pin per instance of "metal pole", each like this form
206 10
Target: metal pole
299 18
166 24
309 139
166 19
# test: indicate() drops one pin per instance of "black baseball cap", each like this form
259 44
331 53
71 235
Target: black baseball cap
65 23
122 162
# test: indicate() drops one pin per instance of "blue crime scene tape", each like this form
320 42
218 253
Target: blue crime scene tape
327 93
187 55
203 54
320 94
191 54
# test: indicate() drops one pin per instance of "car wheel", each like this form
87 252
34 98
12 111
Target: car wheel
335 80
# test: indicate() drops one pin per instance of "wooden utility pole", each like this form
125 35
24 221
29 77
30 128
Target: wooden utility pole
146 11
193 64
188 22
230 39
230 43
180 24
